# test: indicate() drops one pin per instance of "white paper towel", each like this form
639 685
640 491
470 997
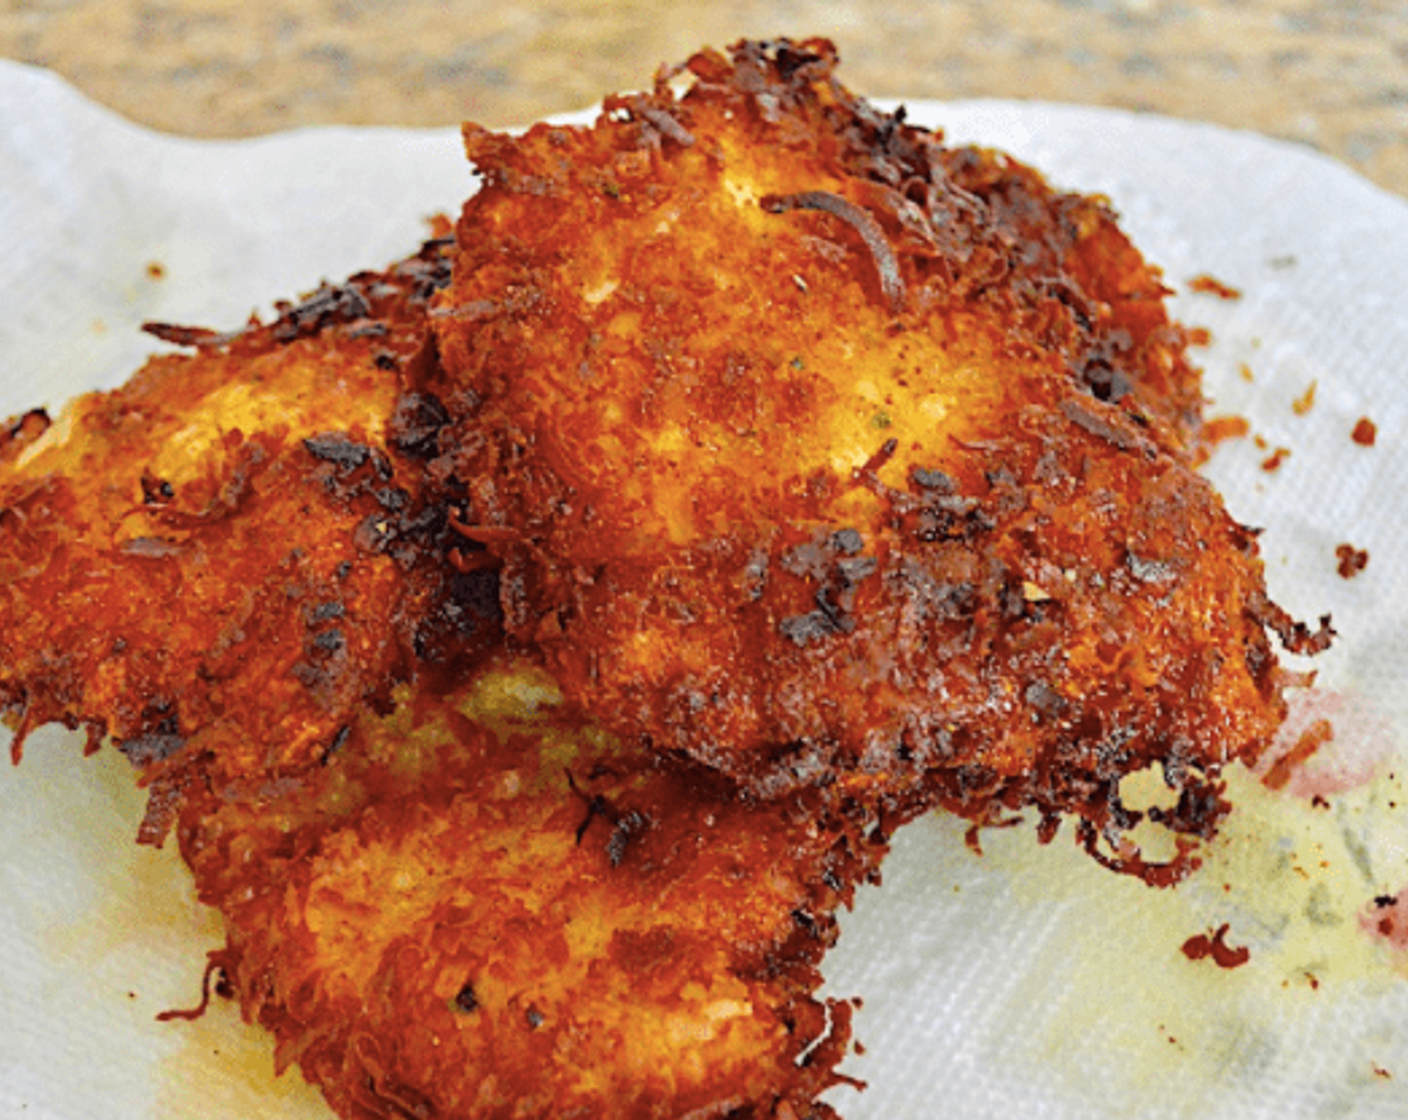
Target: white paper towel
1028 982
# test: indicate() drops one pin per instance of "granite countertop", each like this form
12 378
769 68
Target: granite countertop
1328 73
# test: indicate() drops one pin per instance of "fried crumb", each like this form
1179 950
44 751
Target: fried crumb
1316 736
1210 285
1223 428
1352 560
1214 945
1305 402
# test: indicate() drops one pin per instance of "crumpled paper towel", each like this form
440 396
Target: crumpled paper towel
1027 982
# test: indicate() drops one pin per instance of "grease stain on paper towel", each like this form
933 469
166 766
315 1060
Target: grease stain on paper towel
126 928
1121 1015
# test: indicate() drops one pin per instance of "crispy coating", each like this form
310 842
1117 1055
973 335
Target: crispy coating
823 454
209 562
472 911
822 474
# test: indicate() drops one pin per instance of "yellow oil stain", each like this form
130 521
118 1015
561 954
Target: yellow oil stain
125 938
224 1070
1123 1007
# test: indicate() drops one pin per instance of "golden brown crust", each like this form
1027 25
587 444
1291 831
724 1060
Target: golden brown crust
472 912
823 454
834 474
209 563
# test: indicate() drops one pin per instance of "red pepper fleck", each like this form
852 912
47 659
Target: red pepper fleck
1275 459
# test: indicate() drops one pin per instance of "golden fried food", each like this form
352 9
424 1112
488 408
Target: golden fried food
830 474
821 453
208 563
235 572
472 911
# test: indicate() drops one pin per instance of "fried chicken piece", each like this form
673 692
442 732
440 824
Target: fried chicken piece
473 910
826 455
209 563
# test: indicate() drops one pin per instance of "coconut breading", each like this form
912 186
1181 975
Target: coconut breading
533 644
822 453
473 910
209 563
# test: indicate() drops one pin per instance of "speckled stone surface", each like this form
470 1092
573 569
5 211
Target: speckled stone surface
1333 75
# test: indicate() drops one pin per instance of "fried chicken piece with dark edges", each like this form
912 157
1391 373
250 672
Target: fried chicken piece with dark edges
209 563
823 454
474 910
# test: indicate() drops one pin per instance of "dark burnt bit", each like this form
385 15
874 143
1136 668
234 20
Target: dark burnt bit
1351 560
329 641
331 303
335 746
465 1001
1296 637
836 563
1114 427
156 491
24 429
173 784
161 743
808 924
1199 811
626 828
191 337
337 449
327 611
803 629
368 303
932 480
1105 381
467 614
428 271
625 824
416 425
949 517
657 122
882 253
